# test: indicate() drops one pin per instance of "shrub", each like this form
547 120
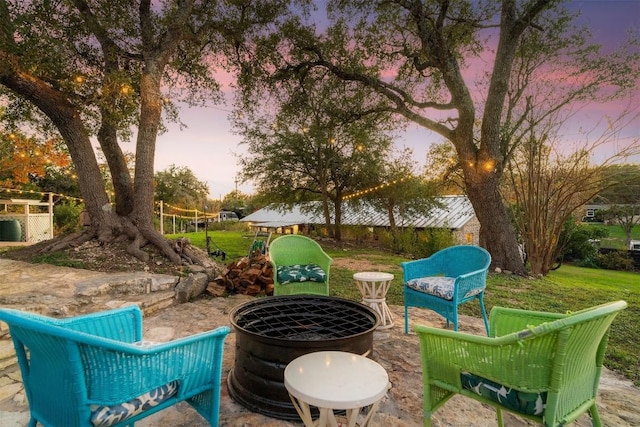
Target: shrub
432 240
615 260
579 245
359 233
66 217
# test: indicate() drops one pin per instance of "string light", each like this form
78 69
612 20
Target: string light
196 211
489 166
40 193
376 188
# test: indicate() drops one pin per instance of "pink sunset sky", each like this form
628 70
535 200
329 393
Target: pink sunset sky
209 148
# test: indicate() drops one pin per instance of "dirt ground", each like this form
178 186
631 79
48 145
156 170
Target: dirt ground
106 258
113 257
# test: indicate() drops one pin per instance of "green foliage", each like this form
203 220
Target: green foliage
236 201
402 241
420 244
312 138
623 185
57 258
402 192
577 241
432 240
66 216
615 260
358 233
180 187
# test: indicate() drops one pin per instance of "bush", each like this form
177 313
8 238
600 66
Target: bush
420 244
615 260
66 217
432 240
359 233
579 246
400 243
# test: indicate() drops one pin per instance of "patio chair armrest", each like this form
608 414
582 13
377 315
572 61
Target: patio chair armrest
121 324
473 280
321 258
119 372
504 321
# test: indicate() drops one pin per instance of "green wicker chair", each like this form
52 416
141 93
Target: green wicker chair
300 266
542 366
95 370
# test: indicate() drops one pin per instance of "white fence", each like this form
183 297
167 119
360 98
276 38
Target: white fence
36 218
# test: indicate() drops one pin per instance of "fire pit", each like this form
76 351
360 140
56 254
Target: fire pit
272 331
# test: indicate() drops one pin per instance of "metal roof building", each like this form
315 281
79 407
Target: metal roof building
455 212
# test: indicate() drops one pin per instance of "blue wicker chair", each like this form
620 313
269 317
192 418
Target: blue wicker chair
95 370
445 280
300 266
544 367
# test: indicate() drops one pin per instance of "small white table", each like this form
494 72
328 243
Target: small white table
335 380
373 286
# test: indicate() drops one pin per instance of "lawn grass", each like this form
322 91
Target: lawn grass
235 244
617 237
566 289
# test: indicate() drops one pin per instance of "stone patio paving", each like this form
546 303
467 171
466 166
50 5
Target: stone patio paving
619 400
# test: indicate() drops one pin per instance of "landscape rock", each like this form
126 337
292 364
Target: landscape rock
190 287
132 283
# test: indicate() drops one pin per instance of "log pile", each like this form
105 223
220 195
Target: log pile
252 275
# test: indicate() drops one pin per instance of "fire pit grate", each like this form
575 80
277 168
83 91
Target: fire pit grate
272 331
306 319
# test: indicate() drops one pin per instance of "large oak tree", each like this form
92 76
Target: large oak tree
313 140
95 68
462 70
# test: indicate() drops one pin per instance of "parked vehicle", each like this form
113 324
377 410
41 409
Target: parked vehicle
227 216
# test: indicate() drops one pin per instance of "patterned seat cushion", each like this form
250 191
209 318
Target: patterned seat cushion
103 416
300 273
520 401
439 286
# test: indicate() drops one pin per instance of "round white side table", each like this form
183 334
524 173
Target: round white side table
335 380
373 286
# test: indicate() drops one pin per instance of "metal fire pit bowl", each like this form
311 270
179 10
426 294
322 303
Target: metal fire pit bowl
272 331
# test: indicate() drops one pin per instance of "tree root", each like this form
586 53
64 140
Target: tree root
117 228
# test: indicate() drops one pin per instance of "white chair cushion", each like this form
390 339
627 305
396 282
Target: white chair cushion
439 286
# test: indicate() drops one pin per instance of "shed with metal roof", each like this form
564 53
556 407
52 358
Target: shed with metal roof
454 213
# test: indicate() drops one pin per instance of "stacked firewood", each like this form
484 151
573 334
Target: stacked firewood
252 275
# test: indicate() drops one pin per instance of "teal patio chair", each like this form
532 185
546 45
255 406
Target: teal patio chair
446 279
95 370
542 366
300 266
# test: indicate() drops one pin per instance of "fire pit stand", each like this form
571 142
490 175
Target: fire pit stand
272 331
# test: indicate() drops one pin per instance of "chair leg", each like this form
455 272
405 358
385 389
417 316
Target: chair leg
499 417
454 320
595 416
484 314
406 319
